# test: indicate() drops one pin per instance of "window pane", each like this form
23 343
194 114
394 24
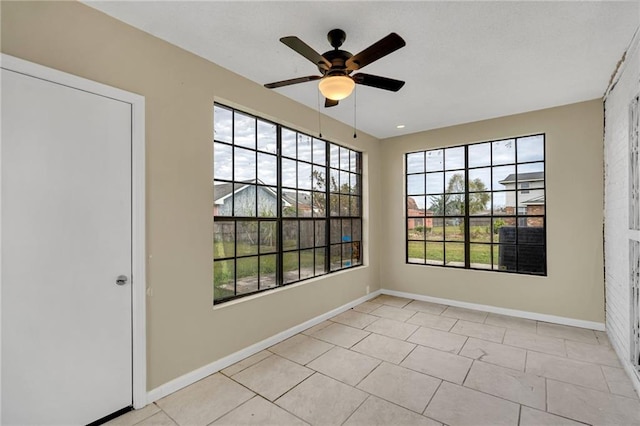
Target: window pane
320 259
334 152
222 124
415 229
532 172
504 203
268 267
356 229
319 204
306 234
247 275
435 183
506 259
504 152
454 254
435 253
415 184
415 162
531 148
304 204
223 279
267 169
288 173
454 181
222 199
244 201
289 234
267 201
480 155
288 143
344 159
531 259
480 203
480 229
454 230
291 272
334 201
480 256
247 238
345 182
304 175
319 151
319 178
454 204
356 255
222 161
454 158
353 183
416 252
354 209
244 165
434 229
480 179
504 230
416 206
244 130
504 177
304 147
334 183
306 264
531 230
320 233
346 230
267 137
344 205
346 255
335 231
354 160
224 239
336 257
434 160
268 237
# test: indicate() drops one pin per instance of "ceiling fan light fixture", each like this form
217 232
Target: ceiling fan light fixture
336 87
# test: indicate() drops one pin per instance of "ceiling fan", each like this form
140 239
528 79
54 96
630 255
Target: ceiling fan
336 66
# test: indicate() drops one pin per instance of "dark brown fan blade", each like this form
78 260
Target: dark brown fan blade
292 81
377 50
329 103
305 50
379 82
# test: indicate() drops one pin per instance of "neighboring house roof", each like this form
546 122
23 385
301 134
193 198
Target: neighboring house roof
534 200
522 177
223 191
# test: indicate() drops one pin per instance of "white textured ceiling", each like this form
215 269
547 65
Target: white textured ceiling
463 62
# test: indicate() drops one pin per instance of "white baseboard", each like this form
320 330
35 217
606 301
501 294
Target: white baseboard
504 311
202 372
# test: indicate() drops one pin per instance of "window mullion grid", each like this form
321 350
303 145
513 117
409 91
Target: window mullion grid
279 221
467 224
327 209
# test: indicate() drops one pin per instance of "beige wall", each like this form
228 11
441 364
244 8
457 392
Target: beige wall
574 286
184 331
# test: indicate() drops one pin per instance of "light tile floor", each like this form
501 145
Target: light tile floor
395 361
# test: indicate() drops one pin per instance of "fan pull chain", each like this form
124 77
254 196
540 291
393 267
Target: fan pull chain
319 119
355 101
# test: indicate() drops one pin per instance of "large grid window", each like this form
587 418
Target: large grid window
478 206
287 206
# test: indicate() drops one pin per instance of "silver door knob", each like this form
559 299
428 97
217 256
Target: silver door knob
122 280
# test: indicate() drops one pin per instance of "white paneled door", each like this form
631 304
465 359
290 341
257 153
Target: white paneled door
66 253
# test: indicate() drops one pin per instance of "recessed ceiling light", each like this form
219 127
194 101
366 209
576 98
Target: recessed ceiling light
400 126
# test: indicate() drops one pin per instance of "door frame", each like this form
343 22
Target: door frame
138 206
